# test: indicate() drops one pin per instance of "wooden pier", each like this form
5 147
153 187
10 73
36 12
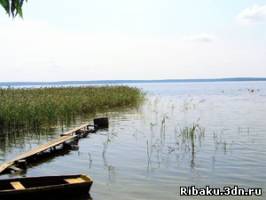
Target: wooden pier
66 139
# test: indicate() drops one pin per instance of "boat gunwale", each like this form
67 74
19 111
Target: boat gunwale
88 180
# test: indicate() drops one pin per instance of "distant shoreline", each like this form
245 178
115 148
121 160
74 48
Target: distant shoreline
130 81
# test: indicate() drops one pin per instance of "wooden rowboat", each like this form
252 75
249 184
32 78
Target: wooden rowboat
53 187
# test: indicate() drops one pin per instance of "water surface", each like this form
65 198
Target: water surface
144 155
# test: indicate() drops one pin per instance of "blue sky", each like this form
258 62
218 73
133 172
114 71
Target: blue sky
140 39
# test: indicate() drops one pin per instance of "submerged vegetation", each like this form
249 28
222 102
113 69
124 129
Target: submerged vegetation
32 108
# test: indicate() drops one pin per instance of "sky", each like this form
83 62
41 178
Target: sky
133 39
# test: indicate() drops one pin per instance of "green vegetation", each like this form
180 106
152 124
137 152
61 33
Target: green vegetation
13 7
32 108
192 132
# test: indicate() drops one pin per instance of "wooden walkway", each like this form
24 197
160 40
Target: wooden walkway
65 138
71 132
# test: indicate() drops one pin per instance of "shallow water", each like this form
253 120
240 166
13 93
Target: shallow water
144 154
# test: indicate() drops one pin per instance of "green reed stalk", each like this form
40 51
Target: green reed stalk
41 106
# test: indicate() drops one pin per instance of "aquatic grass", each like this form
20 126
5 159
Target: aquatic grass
190 132
189 135
34 107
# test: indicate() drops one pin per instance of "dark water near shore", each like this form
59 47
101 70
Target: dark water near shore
144 154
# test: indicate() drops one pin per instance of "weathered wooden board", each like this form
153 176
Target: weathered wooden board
37 150
71 132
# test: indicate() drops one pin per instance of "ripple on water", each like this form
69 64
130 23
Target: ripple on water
145 155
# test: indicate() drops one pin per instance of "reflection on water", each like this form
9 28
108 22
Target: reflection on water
184 134
84 197
14 141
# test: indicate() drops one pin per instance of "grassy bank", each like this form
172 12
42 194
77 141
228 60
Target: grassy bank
36 107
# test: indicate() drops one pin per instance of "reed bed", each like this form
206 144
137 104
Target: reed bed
32 108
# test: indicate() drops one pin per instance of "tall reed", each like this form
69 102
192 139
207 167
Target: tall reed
42 106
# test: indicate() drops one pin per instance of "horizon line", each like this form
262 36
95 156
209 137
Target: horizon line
232 79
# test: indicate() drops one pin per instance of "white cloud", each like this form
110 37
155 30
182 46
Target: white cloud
254 14
205 38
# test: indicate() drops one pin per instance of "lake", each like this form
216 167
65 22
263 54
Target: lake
146 153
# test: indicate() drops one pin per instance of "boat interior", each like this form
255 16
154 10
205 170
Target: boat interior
21 184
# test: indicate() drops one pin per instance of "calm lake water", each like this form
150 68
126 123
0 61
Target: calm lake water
145 155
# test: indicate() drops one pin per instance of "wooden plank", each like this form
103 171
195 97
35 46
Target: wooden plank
45 147
74 130
69 135
75 180
37 150
17 185
16 169
5 165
